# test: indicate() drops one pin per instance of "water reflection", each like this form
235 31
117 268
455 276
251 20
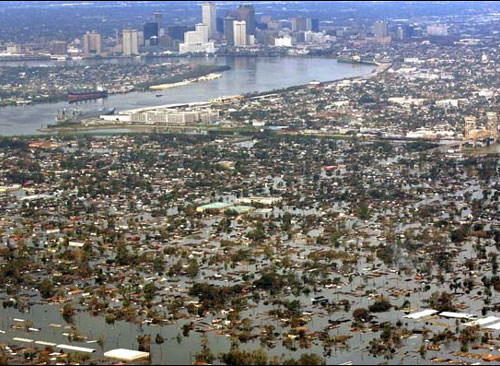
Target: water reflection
247 74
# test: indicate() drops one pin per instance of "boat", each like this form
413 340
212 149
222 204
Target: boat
86 95
159 95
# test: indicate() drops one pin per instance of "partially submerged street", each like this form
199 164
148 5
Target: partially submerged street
249 183
312 249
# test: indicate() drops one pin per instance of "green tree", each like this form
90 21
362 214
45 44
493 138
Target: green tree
46 288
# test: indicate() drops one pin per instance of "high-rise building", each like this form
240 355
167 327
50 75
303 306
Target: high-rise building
380 28
166 41
130 42
177 32
140 38
59 48
314 25
158 18
197 40
247 13
150 30
299 24
220 25
199 35
404 31
492 124
437 30
209 18
229 30
240 32
91 43
266 18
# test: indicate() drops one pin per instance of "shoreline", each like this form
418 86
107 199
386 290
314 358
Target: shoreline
25 103
376 71
138 89
207 77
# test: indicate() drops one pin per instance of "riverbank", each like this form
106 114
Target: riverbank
379 69
247 75
197 74
158 128
145 128
211 76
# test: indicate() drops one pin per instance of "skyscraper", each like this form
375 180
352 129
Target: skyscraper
247 13
209 18
299 24
404 31
197 40
59 48
220 25
314 24
228 29
158 18
380 29
150 30
130 43
177 32
91 43
240 32
492 124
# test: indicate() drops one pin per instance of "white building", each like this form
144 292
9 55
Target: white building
405 101
447 103
197 41
437 30
130 42
285 41
240 32
209 18
315 37
174 117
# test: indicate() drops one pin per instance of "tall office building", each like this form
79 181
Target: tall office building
220 25
59 48
197 40
314 24
150 30
404 31
229 30
380 29
299 24
240 32
140 38
130 42
437 30
176 32
209 18
158 18
266 18
91 43
247 13
492 124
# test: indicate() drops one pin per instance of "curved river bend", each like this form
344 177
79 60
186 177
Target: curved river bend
247 74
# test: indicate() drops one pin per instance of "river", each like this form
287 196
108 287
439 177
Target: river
247 74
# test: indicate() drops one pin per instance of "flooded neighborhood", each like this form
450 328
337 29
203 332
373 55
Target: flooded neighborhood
274 247
282 183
